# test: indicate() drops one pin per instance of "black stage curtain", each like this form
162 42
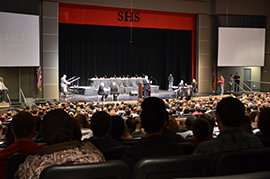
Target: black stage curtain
89 50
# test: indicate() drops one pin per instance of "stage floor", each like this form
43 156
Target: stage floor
164 94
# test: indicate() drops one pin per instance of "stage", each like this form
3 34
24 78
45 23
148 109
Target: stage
164 94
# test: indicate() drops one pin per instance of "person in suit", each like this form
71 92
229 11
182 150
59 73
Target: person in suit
146 86
188 93
3 90
180 92
194 85
114 91
102 92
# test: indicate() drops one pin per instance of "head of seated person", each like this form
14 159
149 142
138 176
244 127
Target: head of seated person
211 121
57 127
264 122
101 123
230 113
23 126
201 129
77 133
246 125
189 121
153 116
117 127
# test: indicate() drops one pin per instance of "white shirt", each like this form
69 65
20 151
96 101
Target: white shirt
2 85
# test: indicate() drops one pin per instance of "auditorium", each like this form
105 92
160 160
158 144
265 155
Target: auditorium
156 68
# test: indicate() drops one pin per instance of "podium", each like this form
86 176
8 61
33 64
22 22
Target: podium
141 91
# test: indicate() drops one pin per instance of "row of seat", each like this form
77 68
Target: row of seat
229 163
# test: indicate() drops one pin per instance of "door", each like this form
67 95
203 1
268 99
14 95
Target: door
247 79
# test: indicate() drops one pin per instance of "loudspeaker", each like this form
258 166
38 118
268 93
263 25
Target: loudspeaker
133 93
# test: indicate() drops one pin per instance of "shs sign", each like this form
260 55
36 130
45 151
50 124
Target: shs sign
128 16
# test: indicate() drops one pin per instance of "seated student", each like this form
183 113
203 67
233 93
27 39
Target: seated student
101 123
201 131
138 133
57 130
118 128
188 133
23 128
230 115
264 125
153 119
85 127
168 131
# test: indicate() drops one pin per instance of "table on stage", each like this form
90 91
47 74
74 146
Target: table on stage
125 85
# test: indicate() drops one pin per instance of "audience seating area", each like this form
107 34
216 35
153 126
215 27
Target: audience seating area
247 163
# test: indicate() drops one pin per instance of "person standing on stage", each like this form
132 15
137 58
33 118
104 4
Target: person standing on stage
114 91
230 82
3 90
102 92
146 86
194 85
170 80
237 81
221 85
64 84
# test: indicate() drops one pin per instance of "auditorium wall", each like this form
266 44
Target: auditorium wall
205 9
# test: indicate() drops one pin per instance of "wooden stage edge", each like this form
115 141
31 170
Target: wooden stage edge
4 105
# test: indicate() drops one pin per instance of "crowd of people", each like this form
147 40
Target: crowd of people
74 132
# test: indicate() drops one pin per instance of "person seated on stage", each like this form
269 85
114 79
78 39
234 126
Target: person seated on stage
153 120
3 91
114 91
101 123
229 116
23 128
188 93
180 92
102 92
57 130
64 84
181 83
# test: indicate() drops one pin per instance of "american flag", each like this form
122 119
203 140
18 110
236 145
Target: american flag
214 76
39 78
